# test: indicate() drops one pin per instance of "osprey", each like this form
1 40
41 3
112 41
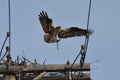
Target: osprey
54 33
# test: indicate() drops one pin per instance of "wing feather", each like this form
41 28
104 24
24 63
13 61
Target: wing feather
46 22
74 31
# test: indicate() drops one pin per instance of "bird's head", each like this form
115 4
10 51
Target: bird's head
47 38
50 38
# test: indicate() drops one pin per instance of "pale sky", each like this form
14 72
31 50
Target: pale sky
27 33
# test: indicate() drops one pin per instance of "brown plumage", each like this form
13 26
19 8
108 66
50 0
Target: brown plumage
53 32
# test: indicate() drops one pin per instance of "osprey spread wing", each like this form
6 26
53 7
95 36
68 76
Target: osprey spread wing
54 33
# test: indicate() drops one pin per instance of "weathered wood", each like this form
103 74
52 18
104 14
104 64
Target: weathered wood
55 68
13 69
40 76
9 77
86 76
41 68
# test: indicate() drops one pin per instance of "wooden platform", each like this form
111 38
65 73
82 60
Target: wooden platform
41 68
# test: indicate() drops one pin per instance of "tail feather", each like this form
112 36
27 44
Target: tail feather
90 31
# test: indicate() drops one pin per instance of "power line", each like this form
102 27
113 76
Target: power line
87 38
9 25
88 20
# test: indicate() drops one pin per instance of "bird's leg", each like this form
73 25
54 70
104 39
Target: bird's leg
56 31
57 42
56 34
58 39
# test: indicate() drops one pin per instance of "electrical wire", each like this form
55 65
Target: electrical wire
88 20
7 49
9 25
86 41
3 45
87 38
